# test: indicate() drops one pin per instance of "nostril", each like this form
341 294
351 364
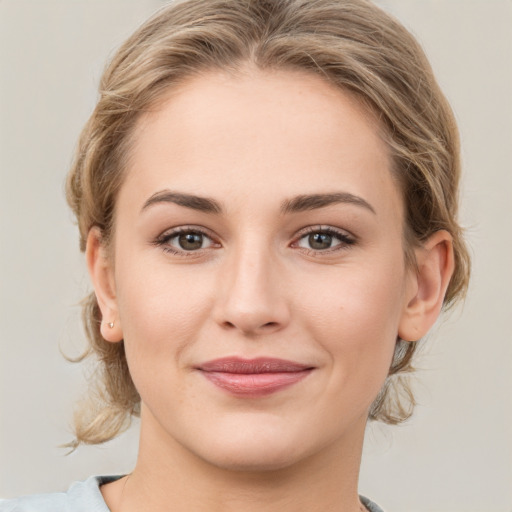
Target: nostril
250 328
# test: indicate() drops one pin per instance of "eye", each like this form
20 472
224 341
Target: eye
324 239
191 241
184 240
318 241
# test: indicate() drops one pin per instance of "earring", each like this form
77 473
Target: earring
111 325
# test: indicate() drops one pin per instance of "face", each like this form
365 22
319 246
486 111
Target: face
258 275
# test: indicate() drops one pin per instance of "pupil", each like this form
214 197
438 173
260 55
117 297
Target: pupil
320 241
191 241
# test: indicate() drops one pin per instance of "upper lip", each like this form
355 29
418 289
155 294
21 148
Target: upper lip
248 366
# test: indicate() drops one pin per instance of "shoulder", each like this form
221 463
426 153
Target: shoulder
370 505
86 497
80 497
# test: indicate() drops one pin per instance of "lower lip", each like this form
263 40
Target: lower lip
254 385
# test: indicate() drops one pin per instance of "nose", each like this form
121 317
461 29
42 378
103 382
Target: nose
252 295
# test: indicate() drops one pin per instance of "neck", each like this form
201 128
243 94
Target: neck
170 477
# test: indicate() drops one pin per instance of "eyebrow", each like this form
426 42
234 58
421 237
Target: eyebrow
296 204
314 201
202 204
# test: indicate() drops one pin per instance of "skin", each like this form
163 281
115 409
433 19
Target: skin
256 287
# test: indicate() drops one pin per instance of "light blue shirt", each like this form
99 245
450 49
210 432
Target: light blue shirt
85 497
80 497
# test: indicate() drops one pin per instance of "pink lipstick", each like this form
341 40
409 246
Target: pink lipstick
254 377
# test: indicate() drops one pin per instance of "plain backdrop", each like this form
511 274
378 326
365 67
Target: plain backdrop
456 452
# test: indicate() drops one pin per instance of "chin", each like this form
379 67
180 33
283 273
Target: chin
256 449
252 458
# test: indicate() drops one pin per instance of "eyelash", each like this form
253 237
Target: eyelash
345 240
164 239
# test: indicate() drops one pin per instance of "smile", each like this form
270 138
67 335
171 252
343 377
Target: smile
253 378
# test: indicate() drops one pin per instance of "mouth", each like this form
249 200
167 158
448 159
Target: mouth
253 377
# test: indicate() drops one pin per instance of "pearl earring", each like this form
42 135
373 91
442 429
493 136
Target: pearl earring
111 325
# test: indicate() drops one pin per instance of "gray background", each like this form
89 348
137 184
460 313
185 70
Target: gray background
454 455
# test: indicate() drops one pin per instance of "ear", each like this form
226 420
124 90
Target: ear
101 272
427 286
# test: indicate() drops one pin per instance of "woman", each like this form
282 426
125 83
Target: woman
267 198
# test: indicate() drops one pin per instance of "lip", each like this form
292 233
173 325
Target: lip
254 377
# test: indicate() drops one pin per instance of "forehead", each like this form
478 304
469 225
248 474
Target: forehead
256 136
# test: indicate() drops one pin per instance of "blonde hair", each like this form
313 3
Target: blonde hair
350 43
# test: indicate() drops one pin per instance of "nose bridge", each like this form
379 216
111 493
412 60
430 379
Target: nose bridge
252 299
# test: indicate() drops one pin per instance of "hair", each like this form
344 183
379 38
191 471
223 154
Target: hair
350 43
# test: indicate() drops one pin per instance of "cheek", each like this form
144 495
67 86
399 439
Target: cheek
356 321
161 315
365 301
160 312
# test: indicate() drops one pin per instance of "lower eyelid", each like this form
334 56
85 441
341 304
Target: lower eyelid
181 252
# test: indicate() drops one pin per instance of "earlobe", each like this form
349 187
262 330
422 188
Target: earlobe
101 273
435 265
